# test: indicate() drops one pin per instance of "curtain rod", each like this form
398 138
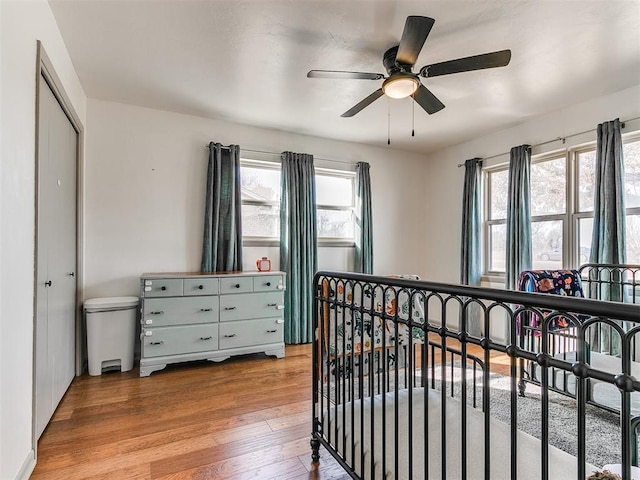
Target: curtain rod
622 125
278 154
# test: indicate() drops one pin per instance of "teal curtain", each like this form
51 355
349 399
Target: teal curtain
364 222
608 239
608 243
470 251
518 245
222 242
298 244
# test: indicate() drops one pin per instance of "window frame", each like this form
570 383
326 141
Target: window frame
567 243
489 222
572 216
255 240
351 176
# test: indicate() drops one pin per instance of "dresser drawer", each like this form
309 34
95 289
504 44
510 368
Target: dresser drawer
251 332
163 287
163 341
236 285
251 305
201 286
268 283
179 311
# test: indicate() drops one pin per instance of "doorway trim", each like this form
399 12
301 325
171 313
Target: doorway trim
45 72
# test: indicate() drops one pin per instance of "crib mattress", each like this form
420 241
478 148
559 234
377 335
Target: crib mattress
339 420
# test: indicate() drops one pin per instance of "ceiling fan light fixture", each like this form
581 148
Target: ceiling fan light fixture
400 85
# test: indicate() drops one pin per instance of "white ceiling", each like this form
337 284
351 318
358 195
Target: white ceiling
246 61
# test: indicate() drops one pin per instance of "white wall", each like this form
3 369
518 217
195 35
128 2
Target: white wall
145 184
22 23
445 179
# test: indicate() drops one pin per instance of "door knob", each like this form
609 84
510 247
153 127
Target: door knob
71 274
47 284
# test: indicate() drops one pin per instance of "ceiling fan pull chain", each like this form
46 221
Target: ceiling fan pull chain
388 121
413 114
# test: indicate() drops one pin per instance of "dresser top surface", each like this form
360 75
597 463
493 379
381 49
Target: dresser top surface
207 274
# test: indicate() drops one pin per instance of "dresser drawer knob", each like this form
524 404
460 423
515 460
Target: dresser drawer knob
200 287
272 331
156 343
268 284
159 312
206 338
237 285
230 336
206 309
163 288
229 308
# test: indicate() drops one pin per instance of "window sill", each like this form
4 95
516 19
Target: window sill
490 279
273 242
332 242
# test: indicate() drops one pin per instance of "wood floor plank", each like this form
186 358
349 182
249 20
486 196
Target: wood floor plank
245 418
302 418
284 470
216 454
240 464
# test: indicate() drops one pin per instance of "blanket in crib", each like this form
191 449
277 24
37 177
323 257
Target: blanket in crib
555 282
362 318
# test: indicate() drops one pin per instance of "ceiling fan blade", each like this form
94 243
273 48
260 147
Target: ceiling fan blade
344 75
467 64
416 30
364 103
427 100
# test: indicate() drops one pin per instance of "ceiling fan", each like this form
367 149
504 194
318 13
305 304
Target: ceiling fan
401 82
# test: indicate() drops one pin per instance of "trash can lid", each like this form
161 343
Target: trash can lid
95 304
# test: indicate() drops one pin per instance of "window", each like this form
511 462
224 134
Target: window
561 208
496 230
260 199
548 214
585 164
335 197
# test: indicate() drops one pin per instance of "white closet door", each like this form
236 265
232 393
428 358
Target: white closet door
56 262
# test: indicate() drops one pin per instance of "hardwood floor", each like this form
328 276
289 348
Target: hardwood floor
245 418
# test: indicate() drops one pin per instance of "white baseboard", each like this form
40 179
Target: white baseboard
27 466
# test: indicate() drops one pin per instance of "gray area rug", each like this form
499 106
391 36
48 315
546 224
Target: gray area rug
603 434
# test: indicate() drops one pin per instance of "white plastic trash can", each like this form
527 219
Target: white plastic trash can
111 331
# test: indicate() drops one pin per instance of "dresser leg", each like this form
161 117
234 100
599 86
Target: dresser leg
278 352
146 370
218 359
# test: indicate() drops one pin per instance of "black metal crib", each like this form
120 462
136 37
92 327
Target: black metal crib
403 381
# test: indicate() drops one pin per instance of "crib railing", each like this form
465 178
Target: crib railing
615 283
607 282
376 335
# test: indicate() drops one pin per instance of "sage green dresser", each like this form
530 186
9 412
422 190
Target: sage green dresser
198 316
